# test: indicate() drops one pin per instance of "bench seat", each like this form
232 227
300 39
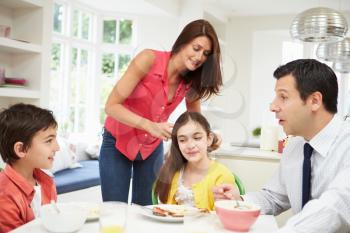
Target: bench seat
69 180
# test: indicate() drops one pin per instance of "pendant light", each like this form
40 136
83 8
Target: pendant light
319 24
323 51
337 52
341 67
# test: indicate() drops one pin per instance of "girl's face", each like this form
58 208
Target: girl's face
193 142
195 53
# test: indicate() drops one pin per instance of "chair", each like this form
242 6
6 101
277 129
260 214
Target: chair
238 182
154 198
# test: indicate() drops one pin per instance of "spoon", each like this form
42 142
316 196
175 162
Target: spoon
237 204
54 206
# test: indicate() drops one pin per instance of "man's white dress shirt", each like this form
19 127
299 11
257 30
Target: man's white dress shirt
329 208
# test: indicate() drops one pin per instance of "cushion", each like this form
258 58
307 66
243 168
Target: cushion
79 148
64 158
69 180
85 146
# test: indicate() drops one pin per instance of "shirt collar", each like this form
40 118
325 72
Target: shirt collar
162 66
23 184
322 141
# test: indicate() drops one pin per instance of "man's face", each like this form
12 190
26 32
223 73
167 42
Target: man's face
293 113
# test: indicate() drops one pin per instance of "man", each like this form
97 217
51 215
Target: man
314 171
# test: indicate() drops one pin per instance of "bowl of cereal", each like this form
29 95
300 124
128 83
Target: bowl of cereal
237 215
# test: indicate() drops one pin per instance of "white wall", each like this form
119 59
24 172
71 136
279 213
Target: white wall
254 46
156 32
250 63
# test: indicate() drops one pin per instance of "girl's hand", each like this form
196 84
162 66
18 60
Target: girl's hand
160 130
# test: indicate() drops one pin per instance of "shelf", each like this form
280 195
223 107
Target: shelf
19 93
15 46
21 3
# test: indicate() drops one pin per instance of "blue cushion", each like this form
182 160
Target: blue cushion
69 180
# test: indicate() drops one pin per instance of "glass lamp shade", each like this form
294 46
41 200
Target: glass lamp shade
323 51
342 67
319 24
337 52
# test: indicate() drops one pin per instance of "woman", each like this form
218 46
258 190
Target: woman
141 102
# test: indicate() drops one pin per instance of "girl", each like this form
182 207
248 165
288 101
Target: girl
188 174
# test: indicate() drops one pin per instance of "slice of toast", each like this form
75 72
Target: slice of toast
159 211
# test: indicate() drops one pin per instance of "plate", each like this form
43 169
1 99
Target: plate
147 211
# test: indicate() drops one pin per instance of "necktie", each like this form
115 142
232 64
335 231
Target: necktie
306 173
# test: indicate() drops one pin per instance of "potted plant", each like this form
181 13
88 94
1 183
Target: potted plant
256 132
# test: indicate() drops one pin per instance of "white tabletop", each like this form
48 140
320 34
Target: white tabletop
138 223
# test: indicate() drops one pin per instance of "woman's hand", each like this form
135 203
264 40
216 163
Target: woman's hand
160 130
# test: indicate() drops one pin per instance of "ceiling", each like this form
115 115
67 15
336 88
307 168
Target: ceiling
275 7
228 8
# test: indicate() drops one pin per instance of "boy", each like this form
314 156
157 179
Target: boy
27 144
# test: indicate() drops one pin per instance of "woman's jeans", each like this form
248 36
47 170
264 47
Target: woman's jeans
116 171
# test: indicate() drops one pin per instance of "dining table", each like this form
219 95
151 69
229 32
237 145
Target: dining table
138 221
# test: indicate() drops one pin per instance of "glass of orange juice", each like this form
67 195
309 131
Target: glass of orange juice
113 217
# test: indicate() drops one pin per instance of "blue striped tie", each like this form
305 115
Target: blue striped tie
306 173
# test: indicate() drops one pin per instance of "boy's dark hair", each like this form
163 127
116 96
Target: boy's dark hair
19 123
310 76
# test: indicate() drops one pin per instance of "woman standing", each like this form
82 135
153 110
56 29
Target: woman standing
141 102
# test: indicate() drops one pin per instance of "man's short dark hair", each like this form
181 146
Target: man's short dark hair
20 123
310 76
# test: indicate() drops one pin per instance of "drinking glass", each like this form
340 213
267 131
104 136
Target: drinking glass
113 217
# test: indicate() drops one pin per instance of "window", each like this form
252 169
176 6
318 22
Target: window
117 47
81 25
84 68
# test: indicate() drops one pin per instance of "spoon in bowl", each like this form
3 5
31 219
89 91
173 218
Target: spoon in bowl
54 206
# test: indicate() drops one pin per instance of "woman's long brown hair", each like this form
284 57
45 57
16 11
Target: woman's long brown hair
175 160
207 79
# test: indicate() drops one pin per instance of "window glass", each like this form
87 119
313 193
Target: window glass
108 64
56 76
125 31
123 62
109 31
56 56
85 27
58 18
75 23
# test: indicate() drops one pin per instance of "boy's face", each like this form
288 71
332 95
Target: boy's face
40 153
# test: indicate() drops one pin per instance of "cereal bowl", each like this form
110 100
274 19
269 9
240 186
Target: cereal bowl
69 217
237 215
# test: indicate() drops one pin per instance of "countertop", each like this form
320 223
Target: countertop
226 150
